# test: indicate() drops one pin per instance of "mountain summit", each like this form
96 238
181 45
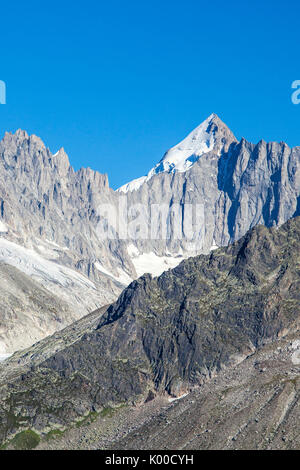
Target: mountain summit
212 135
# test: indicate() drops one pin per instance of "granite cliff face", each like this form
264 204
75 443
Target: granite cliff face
165 335
48 226
46 205
239 185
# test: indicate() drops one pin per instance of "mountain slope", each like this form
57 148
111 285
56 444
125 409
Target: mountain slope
28 312
167 335
253 405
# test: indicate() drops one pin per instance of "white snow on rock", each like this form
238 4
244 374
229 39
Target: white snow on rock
153 264
65 282
3 351
3 357
63 248
296 353
39 268
181 157
135 184
177 398
214 246
3 227
119 276
132 250
143 263
102 269
123 277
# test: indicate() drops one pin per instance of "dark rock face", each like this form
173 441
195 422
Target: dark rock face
167 334
253 405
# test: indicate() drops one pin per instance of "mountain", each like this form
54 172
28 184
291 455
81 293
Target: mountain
211 135
48 220
205 192
237 184
47 206
205 320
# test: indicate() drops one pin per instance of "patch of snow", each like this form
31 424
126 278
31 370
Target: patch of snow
3 227
180 252
132 185
186 153
296 358
64 248
39 268
121 276
46 252
177 398
102 269
153 264
181 157
296 353
213 246
48 248
132 250
3 357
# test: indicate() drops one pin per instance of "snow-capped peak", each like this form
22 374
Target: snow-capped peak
184 155
181 157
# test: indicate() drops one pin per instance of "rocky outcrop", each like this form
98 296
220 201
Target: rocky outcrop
168 334
254 405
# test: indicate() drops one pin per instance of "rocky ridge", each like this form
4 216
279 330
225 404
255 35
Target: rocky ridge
164 336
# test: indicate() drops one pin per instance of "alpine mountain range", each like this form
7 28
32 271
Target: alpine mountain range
96 324
49 217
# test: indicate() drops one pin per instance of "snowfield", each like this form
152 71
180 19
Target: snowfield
153 264
39 268
3 357
3 228
65 282
119 276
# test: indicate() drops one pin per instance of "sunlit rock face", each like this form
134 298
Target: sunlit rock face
209 188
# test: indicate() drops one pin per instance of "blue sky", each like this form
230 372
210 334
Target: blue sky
117 83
